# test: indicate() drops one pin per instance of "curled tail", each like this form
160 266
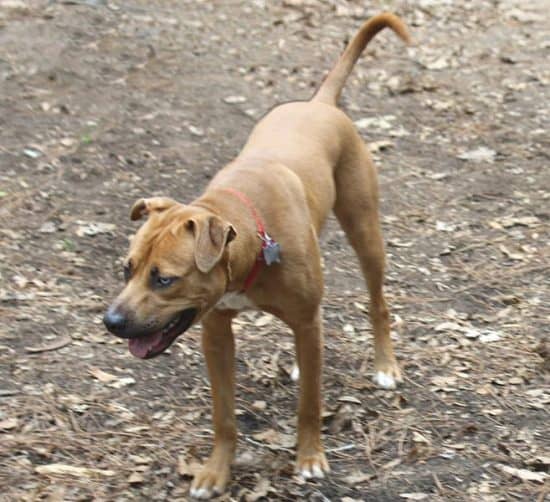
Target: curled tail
330 89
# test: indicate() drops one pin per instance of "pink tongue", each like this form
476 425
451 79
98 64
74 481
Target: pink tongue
142 346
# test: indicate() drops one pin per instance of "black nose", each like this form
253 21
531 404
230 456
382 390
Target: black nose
115 321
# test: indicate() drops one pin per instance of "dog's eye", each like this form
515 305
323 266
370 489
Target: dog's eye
164 282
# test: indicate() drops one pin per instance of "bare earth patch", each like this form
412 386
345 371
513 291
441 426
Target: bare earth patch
104 102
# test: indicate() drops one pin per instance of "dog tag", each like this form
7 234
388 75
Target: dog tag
271 251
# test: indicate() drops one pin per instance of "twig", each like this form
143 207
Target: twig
342 448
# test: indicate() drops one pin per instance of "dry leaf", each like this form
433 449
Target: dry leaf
357 478
122 382
380 146
92 228
188 469
101 375
8 424
276 440
268 436
381 122
419 438
260 490
259 405
71 470
56 344
349 399
414 496
489 336
481 154
264 320
136 478
523 474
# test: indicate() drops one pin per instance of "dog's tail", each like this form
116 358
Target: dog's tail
330 89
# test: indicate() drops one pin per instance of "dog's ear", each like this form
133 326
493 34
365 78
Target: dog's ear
144 207
212 235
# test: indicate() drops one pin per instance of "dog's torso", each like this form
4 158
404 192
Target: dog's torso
289 173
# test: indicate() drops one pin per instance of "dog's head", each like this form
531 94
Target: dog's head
175 271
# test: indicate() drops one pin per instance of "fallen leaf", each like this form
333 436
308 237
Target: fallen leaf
380 146
32 153
139 459
414 496
511 254
91 229
275 440
136 478
481 154
122 382
195 131
260 490
187 469
71 470
511 221
523 474
101 375
67 141
268 436
263 320
8 424
419 438
381 122
259 405
349 329
357 477
442 226
49 227
494 412
448 326
56 344
342 419
489 336
349 399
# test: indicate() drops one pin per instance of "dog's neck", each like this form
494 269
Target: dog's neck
243 251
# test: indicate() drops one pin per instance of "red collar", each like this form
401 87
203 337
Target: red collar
260 260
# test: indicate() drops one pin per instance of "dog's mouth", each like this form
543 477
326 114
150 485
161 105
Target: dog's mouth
148 346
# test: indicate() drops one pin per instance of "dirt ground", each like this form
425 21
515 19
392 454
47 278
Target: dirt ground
104 102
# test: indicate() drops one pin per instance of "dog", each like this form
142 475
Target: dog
251 240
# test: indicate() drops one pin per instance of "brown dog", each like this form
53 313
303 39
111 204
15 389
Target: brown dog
214 257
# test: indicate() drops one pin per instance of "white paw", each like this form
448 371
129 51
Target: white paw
384 380
315 472
295 373
201 493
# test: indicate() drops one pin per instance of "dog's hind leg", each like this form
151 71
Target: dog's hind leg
356 208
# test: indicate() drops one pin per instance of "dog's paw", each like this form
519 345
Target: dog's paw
209 482
384 380
312 466
387 376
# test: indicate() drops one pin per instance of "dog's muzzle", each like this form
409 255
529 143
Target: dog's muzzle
146 344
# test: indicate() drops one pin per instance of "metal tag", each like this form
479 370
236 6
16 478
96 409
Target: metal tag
271 250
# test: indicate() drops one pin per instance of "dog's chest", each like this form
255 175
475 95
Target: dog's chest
234 301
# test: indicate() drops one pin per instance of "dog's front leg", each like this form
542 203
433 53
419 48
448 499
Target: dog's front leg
311 460
219 350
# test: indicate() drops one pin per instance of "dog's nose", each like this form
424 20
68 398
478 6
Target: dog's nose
115 321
